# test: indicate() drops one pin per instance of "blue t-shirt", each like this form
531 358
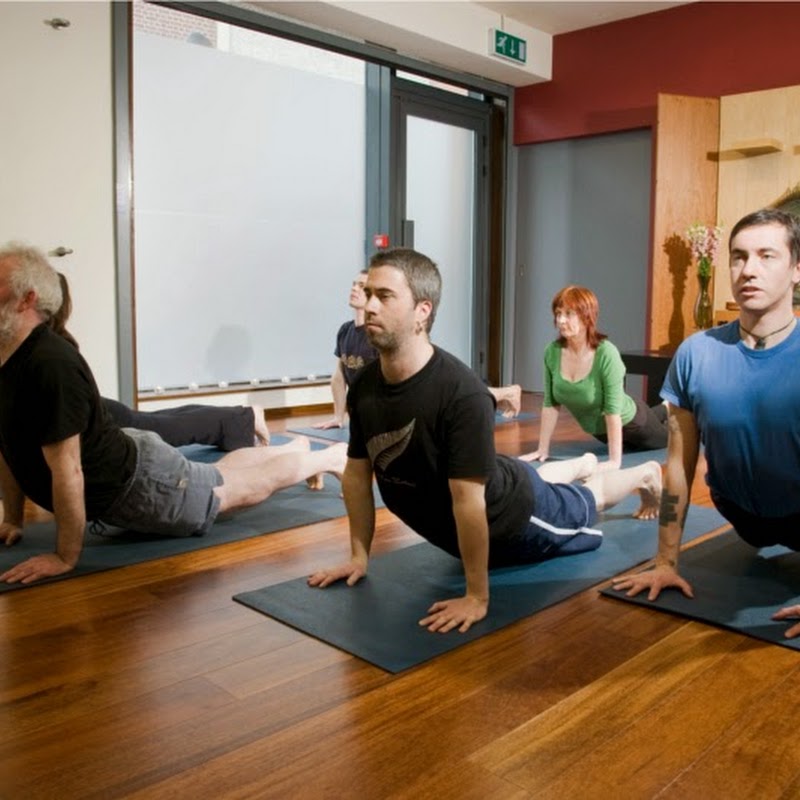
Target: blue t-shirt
747 407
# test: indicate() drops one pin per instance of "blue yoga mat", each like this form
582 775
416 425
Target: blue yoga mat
343 434
329 434
735 586
289 508
376 620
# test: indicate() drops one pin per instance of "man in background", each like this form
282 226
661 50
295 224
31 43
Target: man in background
353 351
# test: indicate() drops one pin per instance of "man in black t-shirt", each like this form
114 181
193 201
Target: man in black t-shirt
354 351
59 447
422 423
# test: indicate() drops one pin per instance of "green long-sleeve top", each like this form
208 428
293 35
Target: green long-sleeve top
601 392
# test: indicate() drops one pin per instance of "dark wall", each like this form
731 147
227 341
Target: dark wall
607 78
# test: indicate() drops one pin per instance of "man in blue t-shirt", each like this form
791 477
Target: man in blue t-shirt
736 389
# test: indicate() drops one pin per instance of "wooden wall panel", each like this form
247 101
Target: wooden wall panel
685 191
759 159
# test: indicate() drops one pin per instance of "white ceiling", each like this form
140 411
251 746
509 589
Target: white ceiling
453 33
558 16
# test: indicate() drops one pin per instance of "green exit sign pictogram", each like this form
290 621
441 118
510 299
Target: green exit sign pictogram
508 46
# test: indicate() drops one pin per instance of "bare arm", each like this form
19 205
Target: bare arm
614 433
469 510
682 453
360 503
64 460
13 506
339 392
546 429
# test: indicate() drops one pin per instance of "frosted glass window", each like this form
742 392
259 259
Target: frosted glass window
248 199
440 199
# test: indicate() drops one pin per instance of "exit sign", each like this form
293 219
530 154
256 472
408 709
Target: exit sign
507 46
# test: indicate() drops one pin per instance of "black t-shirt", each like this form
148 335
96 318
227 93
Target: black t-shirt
48 394
437 425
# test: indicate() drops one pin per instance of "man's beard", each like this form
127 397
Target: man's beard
383 341
8 326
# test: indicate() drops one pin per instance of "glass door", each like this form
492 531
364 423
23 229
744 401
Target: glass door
440 206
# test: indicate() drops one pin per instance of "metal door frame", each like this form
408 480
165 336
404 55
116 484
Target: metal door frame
438 105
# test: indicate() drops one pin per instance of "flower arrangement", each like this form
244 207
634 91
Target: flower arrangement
704 243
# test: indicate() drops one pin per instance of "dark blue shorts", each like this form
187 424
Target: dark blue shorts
559 524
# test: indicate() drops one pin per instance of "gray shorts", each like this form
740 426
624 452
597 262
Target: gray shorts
168 494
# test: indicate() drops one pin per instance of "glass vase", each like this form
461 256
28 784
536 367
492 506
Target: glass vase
703 307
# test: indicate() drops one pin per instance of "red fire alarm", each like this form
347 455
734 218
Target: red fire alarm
380 240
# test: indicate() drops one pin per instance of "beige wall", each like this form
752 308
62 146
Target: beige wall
57 159
759 159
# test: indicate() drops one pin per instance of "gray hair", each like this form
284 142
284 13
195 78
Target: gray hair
32 273
421 273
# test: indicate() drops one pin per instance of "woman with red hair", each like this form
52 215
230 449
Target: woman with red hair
584 372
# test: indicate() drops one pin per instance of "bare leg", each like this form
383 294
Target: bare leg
258 456
573 469
262 431
610 487
508 398
250 484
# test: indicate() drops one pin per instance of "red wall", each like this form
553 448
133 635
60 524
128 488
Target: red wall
607 78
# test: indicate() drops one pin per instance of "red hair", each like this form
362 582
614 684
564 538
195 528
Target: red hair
584 303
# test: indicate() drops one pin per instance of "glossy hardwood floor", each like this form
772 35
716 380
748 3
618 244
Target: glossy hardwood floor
150 682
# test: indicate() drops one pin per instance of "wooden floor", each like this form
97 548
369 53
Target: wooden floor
150 682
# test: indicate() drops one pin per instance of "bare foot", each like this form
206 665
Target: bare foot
650 492
262 431
508 399
338 454
587 466
513 399
316 482
336 459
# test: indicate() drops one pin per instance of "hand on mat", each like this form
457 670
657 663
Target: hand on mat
460 612
790 612
331 423
536 455
353 571
10 533
654 580
32 569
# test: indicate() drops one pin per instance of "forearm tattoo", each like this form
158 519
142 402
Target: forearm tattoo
669 510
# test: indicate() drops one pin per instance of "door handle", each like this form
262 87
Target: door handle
61 251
